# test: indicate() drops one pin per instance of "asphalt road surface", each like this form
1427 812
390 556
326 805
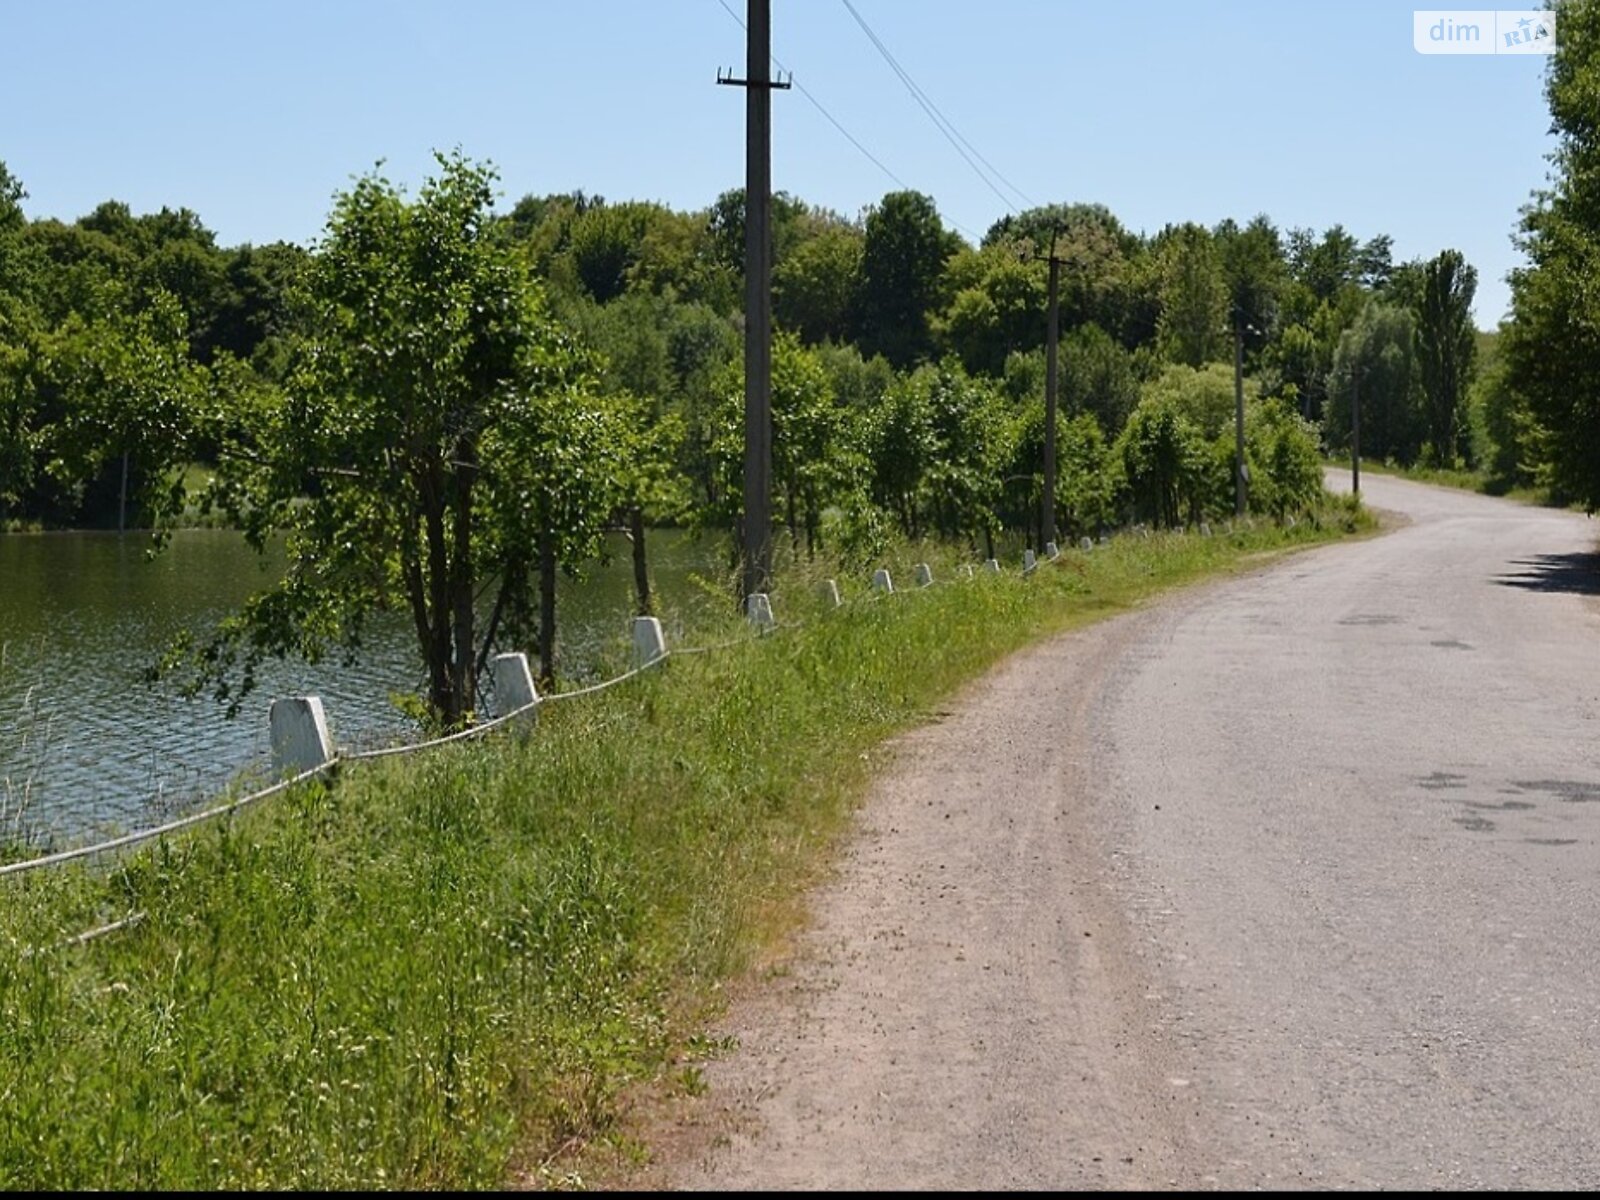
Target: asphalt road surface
1292 880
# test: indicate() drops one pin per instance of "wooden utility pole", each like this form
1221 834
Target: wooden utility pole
1047 526
1241 493
1355 433
758 84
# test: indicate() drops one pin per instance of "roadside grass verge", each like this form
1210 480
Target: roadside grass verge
441 969
1461 480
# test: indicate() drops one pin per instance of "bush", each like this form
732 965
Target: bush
1286 462
1164 461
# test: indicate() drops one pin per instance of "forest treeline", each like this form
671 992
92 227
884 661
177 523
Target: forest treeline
901 347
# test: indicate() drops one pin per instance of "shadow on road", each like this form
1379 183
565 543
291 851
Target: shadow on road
1576 573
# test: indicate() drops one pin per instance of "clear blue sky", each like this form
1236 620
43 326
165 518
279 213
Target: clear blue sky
254 115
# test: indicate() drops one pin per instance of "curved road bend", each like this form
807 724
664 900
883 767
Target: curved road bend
1289 880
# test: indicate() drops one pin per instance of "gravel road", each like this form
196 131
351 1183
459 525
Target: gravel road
1292 880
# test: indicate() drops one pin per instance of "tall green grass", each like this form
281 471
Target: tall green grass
436 969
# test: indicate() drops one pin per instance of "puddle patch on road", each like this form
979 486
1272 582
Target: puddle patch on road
1440 780
1451 644
1551 841
1475 824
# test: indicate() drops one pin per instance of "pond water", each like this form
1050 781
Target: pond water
85 748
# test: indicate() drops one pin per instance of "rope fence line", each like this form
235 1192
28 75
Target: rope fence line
144 835
462 735
329 758
609 683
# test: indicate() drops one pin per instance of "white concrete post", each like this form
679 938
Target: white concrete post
1104 540
924 575
966 570
758 610
1051 550
300 740
830 593
1029 560
881 581
513 683
992 566
649 643
1205 529
1086 544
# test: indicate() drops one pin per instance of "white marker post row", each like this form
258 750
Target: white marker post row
301 741
302 746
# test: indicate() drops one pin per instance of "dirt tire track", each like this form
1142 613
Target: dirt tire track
971 1007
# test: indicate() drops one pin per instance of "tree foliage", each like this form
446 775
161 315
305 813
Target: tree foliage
902 268
439 431
1446 343
1194 297
1377 361
1553 343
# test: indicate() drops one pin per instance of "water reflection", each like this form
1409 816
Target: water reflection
84 747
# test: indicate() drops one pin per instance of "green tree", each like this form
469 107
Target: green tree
12 194
1194 297
902 265
438 434
604 246
1097 377
1285 458
1328 266
196 275
1509 444
1204 397
1253 268
814 287
857 383
1164 459
901 447
1097 276
19 404
98 413
1088 475
1002 311
814 455
1446 343
1377 358
255 320
941 435
1552 345
725 222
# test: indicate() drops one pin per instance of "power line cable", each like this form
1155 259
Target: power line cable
941 122
817 104
837 124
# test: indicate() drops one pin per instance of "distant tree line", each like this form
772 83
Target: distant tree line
442 407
